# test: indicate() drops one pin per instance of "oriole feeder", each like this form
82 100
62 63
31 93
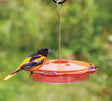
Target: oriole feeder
68 71
63 71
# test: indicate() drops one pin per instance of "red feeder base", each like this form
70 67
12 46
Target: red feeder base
68 71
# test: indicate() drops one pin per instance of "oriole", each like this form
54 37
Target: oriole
33 62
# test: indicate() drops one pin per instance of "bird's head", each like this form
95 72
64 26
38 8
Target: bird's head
44 51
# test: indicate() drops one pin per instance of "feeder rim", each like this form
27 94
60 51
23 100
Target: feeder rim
60 73
67 72
48 72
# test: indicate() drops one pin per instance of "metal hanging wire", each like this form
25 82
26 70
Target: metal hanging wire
59 39
59 26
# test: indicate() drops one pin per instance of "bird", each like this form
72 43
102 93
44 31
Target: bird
59 1
32 62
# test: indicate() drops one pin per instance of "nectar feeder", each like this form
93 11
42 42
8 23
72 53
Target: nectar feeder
71 71
63 71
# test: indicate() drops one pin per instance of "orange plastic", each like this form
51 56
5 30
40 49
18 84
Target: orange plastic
70 71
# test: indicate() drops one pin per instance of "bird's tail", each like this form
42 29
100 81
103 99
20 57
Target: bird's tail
12 74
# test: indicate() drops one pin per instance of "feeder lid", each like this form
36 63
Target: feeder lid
65 71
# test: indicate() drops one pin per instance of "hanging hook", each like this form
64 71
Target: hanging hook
59 2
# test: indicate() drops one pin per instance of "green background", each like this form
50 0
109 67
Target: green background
86 35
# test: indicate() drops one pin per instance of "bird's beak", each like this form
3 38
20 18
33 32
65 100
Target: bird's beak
50 50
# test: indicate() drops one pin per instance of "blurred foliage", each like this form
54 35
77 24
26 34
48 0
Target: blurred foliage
27 25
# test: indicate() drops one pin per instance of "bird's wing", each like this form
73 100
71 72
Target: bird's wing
34 57
31 58
32 64
25 61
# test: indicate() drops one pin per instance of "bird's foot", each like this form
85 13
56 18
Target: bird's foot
31 72
42 73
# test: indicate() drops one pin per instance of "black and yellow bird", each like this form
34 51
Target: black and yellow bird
33 62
